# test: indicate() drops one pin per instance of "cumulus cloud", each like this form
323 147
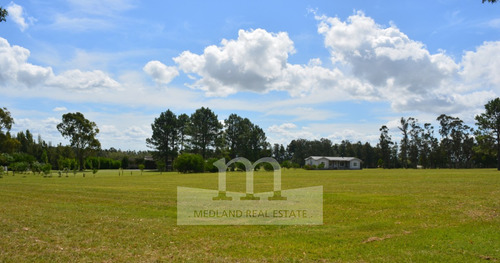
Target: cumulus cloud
18 15
160 73
14 67
480 67
15 70
253 62
395 68
384 55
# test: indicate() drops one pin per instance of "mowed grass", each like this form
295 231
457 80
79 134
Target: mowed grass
369 216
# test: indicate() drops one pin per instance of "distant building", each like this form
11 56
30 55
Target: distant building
334 163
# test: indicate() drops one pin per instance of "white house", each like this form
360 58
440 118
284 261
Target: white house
341 163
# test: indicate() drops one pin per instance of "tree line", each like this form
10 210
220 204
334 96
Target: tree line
191 142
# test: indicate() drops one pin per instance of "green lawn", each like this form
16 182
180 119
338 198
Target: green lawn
369 216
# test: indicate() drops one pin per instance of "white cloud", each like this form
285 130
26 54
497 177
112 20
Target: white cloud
18 15
253 62
80 80
15 70
395 68
481 67
160 73
286 132
56 109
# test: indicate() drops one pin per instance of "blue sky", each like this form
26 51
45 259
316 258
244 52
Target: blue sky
298 69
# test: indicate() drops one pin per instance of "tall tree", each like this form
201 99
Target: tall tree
81 133
491 1
204 130
457 142
183 130
489 124
232 134
385 145
405 144
165 136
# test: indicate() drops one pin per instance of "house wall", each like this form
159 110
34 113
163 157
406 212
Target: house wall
355 165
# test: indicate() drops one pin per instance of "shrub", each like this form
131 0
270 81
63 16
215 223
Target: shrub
189 163
210 167
286 164
268 167
307 167
321 166
46 168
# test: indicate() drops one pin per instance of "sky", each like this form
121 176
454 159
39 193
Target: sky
298 69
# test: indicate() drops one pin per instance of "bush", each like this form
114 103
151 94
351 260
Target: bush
321 166
308 167
268 167
189 163
210 167
19 167
46 169
286 164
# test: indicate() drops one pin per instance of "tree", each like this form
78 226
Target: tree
491 1
183 129
232 133
6 120
81 133
489 124
3 14
7 143
385 143
404 142
457 142
165 136
415 143
204 130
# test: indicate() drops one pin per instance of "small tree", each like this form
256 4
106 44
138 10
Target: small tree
47 169
161 166
141 167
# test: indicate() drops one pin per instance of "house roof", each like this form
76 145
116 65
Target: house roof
330 158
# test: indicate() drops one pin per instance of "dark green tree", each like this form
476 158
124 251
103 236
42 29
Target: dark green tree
183 129
385 145
491 1
204 130
81 133
489 125
457 141
165 136
405 144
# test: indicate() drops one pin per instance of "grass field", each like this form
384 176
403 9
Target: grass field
369 216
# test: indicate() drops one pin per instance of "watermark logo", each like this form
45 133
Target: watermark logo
299 206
